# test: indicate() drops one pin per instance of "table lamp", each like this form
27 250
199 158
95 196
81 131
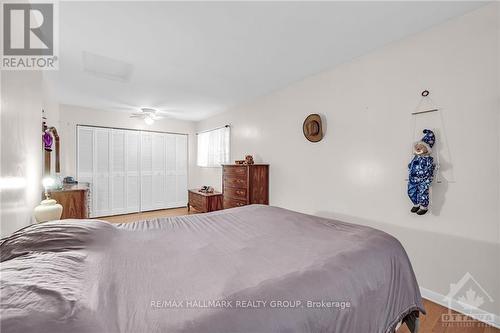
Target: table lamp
48 209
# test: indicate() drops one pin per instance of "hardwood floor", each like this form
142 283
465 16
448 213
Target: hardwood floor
430 323
146 215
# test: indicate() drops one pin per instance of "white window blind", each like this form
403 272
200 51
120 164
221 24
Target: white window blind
213 147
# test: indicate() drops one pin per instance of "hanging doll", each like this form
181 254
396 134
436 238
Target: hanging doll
421 172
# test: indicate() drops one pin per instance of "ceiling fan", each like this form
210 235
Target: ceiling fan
149 115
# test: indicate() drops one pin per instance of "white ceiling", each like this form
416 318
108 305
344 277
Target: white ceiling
199 58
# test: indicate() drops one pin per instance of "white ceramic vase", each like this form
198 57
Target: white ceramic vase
48 210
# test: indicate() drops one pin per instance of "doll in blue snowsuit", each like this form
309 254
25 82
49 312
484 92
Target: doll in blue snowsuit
421 172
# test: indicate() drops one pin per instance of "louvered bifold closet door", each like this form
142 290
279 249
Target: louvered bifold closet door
171 170
101 194
176 170
146 171
158 168
85 158
132 171
117 172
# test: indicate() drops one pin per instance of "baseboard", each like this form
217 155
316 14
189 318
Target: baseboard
440 299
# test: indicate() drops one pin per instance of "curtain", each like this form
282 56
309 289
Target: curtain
213 147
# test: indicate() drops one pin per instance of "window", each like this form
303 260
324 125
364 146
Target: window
213 147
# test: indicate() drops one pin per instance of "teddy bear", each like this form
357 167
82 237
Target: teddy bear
248 159
421 173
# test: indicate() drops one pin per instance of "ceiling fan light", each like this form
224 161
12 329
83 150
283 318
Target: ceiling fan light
149 121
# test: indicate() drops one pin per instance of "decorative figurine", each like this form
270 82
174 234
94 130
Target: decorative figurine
206 189
421 172
249 159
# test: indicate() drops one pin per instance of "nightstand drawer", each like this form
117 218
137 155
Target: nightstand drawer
196 200
200 208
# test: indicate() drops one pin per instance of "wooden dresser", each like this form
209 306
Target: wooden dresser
204 202
74 199
245 184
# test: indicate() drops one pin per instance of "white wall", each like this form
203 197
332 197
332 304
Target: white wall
70 116
50 102
20 144
498 113
51 112
357 172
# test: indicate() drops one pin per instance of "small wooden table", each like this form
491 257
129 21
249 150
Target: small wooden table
204 202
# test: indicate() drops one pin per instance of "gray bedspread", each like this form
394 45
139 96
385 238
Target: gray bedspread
253 269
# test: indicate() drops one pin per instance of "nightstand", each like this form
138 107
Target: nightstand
204 202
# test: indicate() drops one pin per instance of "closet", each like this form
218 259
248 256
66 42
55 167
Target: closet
132 171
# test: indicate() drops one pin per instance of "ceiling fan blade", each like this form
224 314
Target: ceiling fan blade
168 113
137 115
148 110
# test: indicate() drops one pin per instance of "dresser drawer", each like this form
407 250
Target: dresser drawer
235 192
235 181
230 202
235 171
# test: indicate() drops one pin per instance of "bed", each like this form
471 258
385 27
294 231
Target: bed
252 269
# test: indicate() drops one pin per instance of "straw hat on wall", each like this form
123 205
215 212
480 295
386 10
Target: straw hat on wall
312 128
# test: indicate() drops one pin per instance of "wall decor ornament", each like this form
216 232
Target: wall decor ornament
47 141
312 128
249 159
421 173
49 136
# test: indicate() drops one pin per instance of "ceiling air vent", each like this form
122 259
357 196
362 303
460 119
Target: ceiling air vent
107 68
